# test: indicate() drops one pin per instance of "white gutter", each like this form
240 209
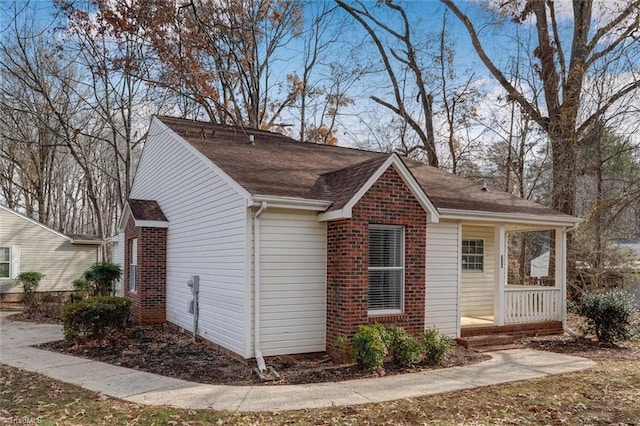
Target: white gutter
454 214
262 367
290 202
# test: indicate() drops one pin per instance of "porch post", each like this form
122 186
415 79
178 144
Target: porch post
561 271
500 269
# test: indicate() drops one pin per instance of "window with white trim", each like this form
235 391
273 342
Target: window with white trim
133 264
5 262
473 255
386 269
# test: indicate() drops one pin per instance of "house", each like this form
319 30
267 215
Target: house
623 272
296 244
27 245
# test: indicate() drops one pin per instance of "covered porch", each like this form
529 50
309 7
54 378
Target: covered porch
513 278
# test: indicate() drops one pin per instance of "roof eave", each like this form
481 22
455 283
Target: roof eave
86 242
346 212
290 203
502 217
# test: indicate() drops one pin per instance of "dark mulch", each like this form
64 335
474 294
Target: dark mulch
166 350
49 314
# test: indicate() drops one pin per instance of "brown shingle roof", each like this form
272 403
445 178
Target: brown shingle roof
280 166
146 210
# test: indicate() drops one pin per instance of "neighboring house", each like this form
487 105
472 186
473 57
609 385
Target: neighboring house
27 245
296 244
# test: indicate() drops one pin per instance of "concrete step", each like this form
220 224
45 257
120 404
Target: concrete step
496 348
488 340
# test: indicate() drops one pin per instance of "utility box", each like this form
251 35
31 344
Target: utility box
194 284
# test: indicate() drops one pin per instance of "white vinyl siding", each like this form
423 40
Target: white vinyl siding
35 248
478 287
117 257
386 269
443 253
292 282
206 237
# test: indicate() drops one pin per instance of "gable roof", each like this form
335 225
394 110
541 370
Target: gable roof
278 166
72 238
145 213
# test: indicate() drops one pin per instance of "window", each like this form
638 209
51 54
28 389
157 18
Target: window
5 262
133 266
386 269
473 255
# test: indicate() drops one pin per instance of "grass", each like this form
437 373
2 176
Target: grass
608 393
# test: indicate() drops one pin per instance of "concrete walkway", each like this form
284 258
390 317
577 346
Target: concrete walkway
16 339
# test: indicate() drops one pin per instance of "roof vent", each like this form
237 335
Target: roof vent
484 187
252 140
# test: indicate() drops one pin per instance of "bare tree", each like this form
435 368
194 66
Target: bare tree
407 59
562 69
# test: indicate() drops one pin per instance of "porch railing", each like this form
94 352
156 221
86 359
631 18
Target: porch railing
532 304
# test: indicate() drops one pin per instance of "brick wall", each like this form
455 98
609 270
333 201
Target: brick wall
149 299
388 202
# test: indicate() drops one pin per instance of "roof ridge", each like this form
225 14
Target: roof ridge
285 138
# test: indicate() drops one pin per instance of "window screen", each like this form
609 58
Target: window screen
386 268
5 262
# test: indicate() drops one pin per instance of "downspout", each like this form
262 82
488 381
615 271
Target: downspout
566 328
256 286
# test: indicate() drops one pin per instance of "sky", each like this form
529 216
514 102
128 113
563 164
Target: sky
427 15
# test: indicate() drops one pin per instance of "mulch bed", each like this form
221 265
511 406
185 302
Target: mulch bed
165 349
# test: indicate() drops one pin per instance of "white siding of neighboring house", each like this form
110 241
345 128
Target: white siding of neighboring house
293 282
117 257
42 250
206 237
443 257
478 287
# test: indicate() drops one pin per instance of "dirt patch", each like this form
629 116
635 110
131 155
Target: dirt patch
48 314
583 343
166 350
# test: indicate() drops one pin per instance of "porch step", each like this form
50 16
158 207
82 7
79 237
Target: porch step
496 348
486 341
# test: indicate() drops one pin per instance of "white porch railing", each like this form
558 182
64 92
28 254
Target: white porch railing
531 304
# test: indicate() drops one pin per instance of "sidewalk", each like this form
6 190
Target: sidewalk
147 388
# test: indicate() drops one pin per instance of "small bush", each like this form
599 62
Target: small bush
370 346
610 314
30 282
102 277
436 346
95 317
81 289
406 349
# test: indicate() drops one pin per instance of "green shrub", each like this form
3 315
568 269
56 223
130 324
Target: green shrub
81 289
102 277
610 314
370 346
30 282
436 346
95 317
406 349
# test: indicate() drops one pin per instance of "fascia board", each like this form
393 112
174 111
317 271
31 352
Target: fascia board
335 215
477 215
290 203
151 224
